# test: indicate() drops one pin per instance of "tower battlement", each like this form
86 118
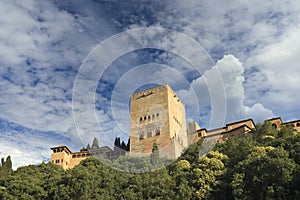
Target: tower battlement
156 89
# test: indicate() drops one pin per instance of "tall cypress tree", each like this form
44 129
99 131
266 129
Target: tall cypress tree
88 147
128 145
2 162
8 164
123 146
154 156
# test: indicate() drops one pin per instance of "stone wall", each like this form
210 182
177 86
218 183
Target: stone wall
157 115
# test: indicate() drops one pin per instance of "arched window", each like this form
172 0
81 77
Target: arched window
274 126
298 124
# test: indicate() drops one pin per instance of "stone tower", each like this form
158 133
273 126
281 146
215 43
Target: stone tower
157 115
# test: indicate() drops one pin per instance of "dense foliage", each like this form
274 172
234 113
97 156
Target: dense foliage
265 166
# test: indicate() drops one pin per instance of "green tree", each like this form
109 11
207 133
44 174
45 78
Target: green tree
291 144
192 153
26 183
286 131
236 149
265 132
208 173
6 165
265 174
154 156
5 171
128 145
181 173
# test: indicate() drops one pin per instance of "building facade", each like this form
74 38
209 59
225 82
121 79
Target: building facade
157 116
277 123
64 157
239 128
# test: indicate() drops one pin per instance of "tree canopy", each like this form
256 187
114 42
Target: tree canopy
265 166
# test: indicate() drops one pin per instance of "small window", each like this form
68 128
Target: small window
149 134
298 124
274 126
145 118
62 160
141 119
153 116
157 132
157 114
141 136
149 117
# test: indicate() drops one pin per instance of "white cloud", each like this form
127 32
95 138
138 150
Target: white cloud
276 82
231 71
41 48
263 35
27 146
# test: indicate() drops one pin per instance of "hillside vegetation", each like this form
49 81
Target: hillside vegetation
265 166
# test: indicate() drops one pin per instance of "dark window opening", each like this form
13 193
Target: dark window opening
141 119
141 136
157 132
274 126
298 124
145 118
157 114
148 117
149 135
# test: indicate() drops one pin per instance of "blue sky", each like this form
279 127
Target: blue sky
254 46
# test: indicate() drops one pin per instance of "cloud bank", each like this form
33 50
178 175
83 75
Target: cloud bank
43 43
